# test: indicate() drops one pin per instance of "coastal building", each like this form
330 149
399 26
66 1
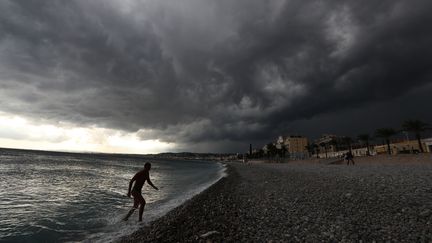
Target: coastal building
280 142
403 147
295 145
330 146
326 138
428 145
381 149
356 151
406 147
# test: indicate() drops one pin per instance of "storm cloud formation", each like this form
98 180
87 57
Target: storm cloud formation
213 75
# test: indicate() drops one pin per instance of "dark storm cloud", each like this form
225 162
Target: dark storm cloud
209 72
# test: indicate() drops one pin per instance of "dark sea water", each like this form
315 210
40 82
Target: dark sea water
60 197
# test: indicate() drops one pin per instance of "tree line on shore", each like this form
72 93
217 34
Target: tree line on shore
415 127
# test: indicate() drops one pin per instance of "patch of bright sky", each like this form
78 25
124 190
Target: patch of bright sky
274 83
342 30
18 132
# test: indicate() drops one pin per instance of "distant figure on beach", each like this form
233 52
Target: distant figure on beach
349 157
245 159
139 179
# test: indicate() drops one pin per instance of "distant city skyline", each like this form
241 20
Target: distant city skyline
208 76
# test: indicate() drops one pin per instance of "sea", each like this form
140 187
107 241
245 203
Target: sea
67 197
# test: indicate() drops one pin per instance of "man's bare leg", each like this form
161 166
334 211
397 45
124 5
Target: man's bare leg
129 214
141 211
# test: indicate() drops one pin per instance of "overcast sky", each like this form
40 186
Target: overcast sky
208 75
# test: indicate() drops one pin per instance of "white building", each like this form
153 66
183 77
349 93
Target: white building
428 143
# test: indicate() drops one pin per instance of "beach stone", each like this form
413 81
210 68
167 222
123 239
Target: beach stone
425 213
209 233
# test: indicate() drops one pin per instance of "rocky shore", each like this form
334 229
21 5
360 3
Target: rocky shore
304 202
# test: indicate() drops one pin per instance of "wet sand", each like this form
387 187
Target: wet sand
305 202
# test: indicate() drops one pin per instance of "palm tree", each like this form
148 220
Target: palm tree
365 139
310 149
283 151
324 145
386 133
271 149
416 127
316 147
334 143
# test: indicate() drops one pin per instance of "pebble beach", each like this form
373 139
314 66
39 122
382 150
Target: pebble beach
306 202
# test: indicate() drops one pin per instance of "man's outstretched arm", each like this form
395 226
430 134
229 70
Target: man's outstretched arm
151 183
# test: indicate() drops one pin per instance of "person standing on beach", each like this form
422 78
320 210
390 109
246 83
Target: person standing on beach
139 179
349 157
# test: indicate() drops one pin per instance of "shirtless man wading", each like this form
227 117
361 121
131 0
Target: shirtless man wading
139 179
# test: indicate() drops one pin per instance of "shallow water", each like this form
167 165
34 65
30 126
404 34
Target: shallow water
48 197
